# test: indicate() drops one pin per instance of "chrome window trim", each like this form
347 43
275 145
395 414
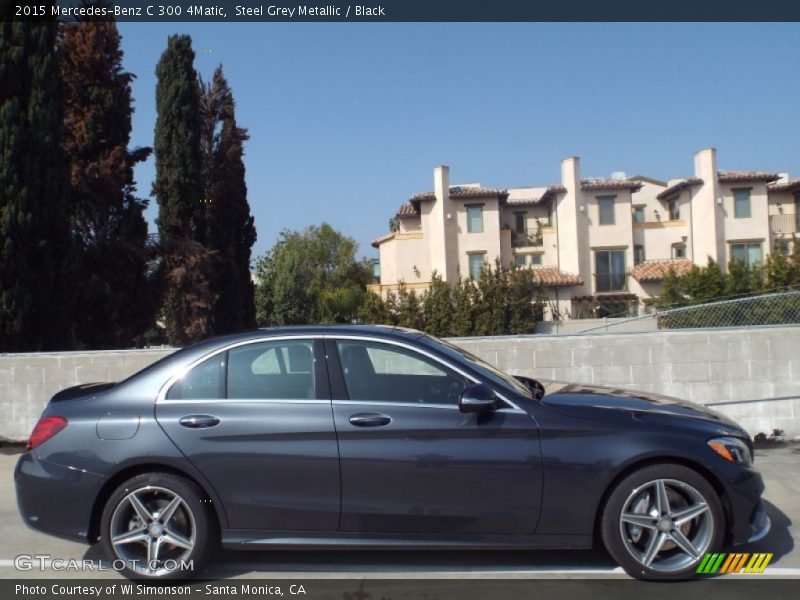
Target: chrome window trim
246 401
162 392
161 397
507 409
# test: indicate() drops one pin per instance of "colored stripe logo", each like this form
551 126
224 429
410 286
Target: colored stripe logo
735 562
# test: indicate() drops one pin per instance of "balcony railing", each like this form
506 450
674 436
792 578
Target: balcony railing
526 238
784 223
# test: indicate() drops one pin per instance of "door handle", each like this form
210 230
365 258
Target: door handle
370 420
199 421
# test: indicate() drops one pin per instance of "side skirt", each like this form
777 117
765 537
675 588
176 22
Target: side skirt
244 539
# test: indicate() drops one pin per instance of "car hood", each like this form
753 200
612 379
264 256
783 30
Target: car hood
577 399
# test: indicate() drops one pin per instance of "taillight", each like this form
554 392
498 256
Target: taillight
46 428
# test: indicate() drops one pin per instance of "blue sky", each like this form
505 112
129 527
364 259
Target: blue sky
348 120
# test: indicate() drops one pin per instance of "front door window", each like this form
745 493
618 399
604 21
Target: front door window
386 373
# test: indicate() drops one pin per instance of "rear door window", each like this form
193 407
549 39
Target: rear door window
279 370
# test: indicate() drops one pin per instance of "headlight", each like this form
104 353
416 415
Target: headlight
732 449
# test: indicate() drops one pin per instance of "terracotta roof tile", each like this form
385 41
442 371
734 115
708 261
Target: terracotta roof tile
793 185
677 187
552 277
610 184
656 270
407 210
736 176
459 192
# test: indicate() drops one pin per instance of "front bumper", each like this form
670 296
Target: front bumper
54 499
747 516
759 524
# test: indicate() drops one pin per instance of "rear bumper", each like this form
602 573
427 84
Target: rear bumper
54 499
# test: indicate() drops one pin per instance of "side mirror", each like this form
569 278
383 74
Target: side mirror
478 398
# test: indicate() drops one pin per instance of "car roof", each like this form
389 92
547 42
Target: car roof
193 351
384 331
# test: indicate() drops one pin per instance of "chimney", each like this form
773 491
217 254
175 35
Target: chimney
571 173
707 217
441 184
705 164
442 232
571 222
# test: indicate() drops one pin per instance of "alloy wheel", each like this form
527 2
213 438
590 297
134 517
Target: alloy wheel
666 525
153 530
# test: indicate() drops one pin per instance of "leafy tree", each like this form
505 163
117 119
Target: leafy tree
525 302
465 299
409 309
782 268
114 303
375 310
229 228
438 304
341 304
491 310
299 277
35 246
707 285
671 291
188 296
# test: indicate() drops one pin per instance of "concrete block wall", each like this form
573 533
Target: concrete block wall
751 374
27 381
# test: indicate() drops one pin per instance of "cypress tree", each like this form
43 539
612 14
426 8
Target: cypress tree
34 232
114 304
178 187
229 229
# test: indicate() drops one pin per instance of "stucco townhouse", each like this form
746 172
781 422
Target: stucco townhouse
598 246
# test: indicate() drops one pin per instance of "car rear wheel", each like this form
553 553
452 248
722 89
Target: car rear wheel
661 520
158 526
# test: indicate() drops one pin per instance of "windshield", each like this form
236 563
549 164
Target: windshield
490 372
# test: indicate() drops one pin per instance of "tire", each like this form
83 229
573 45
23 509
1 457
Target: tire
647 527
164 514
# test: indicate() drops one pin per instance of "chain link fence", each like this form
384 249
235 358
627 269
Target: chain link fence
782 308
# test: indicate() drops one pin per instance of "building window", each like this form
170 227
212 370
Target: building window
678 250
638 254
674 210
376 268
476 262
529 260
741 204
520 222
783 246
638 214
605 209
475 218
609 269
747 253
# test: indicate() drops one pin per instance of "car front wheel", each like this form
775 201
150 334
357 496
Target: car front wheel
661 520
158 526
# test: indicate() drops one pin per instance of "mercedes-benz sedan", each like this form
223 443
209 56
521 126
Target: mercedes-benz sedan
374 437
